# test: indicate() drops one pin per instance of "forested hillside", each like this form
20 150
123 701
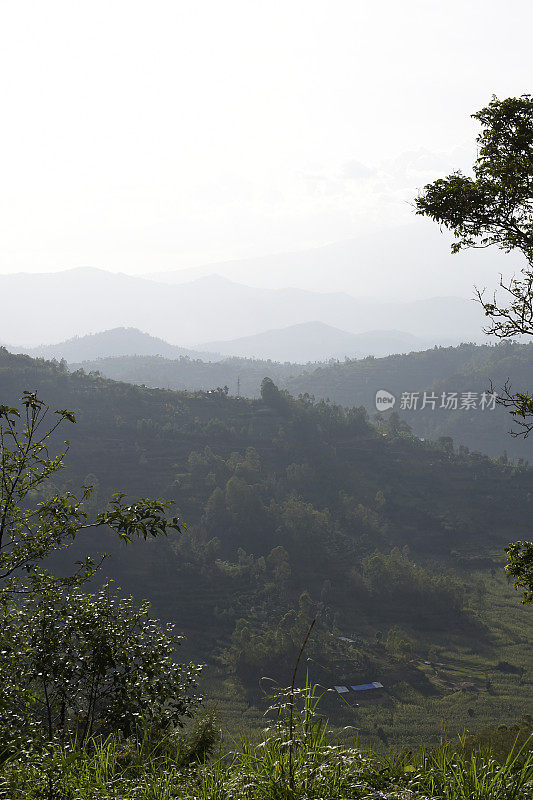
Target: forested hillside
295 509
468 368
459 370
242 376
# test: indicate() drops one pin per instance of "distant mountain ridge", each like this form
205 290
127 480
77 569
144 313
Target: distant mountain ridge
110 344
305 343
45 308
411 260
316 341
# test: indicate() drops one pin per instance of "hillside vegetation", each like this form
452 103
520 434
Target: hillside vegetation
308 766
241 376
468 368
298 509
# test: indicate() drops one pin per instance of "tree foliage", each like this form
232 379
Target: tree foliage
91 663
495 207
73 662
29 534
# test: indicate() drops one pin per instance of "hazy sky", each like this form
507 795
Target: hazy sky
143 136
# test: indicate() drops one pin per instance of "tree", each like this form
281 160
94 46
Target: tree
28 535
85 664
272 397
73 662
495 207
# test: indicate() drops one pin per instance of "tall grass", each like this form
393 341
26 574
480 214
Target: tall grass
321 770
294 760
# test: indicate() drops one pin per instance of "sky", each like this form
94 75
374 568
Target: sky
150 136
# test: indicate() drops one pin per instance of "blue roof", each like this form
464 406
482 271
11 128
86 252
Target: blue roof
363 686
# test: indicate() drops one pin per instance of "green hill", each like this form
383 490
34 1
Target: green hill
468 368
300 508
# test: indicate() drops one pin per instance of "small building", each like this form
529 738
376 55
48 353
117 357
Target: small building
366 687
369 691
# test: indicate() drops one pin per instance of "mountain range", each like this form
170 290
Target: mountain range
45 308
307 342
316 341
467 370
372 265
300 344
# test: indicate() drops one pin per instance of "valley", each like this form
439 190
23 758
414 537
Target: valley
296 509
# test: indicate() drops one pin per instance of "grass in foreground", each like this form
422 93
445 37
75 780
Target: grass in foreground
306 767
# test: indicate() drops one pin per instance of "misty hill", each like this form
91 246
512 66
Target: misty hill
296 508
241 376
373 265
44 308
307 342
316 341
112 343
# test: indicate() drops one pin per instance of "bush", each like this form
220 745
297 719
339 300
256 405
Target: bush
88 664
73 663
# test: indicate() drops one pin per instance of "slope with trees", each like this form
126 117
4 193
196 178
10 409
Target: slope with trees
74 664
296 508
242 376
435 373
467 368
